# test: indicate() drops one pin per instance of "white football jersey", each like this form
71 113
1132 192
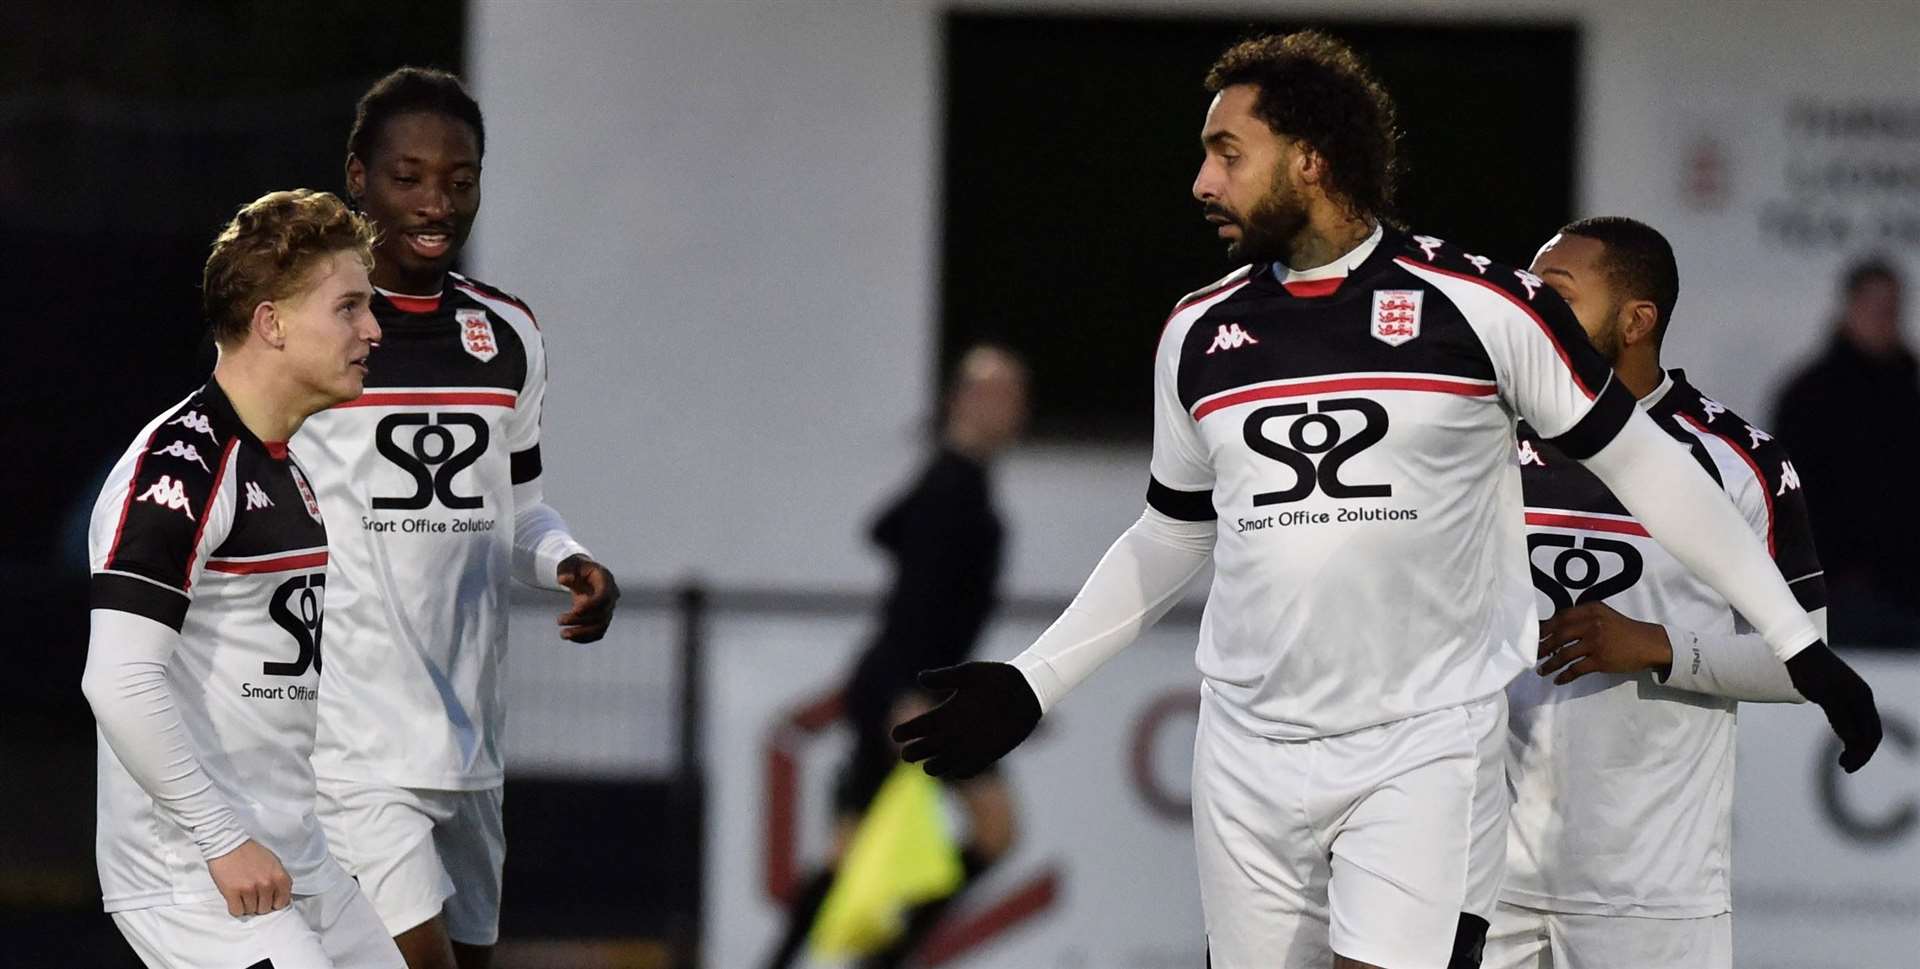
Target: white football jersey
417 477
1623 785
1353 437
203 527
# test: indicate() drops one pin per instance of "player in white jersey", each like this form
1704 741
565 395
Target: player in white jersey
432 478
1334 431
209 578
1622 763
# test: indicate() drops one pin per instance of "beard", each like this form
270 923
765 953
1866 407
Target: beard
1268 229
1611 341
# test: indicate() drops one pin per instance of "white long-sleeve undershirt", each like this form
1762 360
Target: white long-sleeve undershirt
1665 490
1737 665
1136 582
126 684
541 540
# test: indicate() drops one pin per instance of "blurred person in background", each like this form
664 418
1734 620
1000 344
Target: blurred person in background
434 479
1333 432
1622 745
208 591
1852 418
946 541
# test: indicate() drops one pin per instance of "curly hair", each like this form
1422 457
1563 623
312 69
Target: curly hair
1315 90
412 90
265 253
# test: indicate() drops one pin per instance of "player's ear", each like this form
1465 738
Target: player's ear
356 179
1309 168
267 326
1642 322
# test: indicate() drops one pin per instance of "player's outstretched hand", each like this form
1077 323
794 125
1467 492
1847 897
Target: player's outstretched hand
251 879
990 709
1826 679
594 594
1593 638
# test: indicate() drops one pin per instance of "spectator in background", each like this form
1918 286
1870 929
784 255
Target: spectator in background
1852 421
945 539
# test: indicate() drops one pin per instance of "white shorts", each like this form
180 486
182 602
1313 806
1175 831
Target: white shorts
336 929
1527 938
420 853
1371 844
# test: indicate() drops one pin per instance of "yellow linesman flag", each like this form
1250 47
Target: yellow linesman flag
902 855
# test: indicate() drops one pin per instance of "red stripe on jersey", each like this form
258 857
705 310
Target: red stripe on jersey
500 298
1311 288
127 506
413 304
429 398
1766 490
1433 385
1195 300
206 514
1587 522
278 449
285 563
1542 324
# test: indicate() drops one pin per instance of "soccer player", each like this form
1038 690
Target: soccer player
1622 764
435 475
1334 430
209 582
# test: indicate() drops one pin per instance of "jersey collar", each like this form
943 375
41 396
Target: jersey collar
412 304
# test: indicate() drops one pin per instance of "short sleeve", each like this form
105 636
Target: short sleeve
164 505
1182 472
1546 369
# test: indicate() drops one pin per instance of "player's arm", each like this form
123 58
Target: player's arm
1734 665
545 553
994 706
146 554
1560 384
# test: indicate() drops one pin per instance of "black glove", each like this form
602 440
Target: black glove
1826 679
990 709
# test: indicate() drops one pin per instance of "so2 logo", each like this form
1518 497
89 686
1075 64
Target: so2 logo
1315 445
431 456
1586 568
297 607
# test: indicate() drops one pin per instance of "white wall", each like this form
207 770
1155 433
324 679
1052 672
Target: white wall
725 213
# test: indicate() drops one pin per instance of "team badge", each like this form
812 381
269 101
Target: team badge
306 494
476 334
1396 315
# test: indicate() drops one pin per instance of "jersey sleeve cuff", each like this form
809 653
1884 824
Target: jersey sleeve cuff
139 595
1597 427
1186 506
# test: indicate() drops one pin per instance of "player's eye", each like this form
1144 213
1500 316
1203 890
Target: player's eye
407 179
464 185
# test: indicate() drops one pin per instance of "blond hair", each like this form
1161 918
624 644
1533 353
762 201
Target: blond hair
269 248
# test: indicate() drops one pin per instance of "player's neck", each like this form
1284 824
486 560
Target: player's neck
392 279
1330 232
1640 371
267 401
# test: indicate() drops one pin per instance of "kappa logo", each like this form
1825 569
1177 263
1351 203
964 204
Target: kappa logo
181 449
1789 479
170 493
257 496
1429 246
1530 281
1231 337
193 420
306 494
1713 408
476 334
1531 455
1757 436
1479 263
1396 315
